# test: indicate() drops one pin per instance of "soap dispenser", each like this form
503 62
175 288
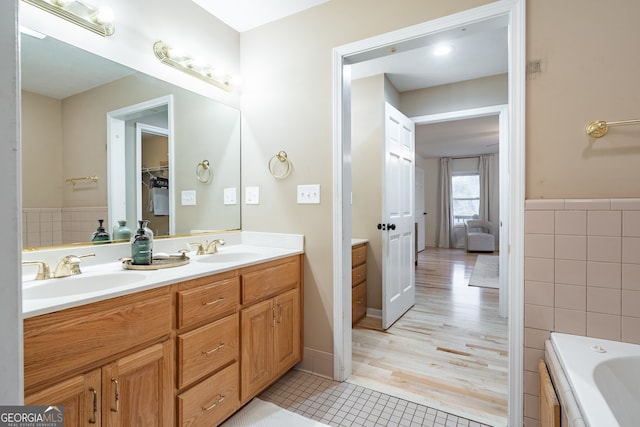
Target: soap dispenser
121 231
141 247
149 233
100 235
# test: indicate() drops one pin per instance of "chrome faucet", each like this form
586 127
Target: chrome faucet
44 272
208 248
69 265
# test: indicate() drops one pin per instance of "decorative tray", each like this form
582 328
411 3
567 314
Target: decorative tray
157 263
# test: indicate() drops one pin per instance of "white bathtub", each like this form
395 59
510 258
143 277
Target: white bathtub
604 377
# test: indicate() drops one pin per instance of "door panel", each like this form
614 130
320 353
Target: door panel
398 287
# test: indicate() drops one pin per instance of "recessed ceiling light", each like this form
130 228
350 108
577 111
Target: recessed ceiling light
442 50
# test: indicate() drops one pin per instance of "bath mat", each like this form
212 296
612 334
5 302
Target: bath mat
486 272
259 413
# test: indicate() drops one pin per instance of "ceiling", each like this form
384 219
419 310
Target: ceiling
234 13
479 50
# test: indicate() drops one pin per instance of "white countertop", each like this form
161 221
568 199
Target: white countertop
249 249
356 241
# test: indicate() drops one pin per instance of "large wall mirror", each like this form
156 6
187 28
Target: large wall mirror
70 175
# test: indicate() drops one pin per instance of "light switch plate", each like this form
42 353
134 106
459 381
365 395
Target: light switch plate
230 196
309 194
188 197
252 195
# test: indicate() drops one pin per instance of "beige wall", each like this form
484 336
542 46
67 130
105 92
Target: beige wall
79 126
367 133
42 177
590 69
476 93
287 105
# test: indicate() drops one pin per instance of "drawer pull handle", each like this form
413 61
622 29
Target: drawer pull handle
213 302
359 302
214 404
213 350
92 420
116 396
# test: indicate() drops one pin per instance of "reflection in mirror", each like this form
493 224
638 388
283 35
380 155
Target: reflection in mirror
67 94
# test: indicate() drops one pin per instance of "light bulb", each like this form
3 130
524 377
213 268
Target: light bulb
102 16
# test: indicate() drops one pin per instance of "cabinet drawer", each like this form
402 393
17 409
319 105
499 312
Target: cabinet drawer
358 302
212 401
358 255
208 302
272 280
202 351
358 275
69 340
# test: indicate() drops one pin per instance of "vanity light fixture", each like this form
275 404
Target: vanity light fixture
183 62
100 21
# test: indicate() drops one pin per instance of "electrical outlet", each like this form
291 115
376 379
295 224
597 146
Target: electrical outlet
188 198
252 195
309 194
230 196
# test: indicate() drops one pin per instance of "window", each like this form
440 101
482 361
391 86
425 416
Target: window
465 198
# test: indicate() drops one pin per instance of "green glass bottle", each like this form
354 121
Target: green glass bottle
140 247
121 231
100 235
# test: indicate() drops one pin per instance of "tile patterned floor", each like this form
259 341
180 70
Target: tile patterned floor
343 404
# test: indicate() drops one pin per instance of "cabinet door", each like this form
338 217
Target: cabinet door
287 350
137 389
256 331
80 397
358 302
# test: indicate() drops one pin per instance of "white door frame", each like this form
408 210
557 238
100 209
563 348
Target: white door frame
116 157
514 11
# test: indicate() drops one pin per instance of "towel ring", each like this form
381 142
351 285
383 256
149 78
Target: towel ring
203 172
279 165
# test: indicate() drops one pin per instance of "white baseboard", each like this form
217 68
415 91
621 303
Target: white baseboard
374 312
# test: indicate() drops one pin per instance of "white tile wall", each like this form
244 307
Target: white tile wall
58 226
588 282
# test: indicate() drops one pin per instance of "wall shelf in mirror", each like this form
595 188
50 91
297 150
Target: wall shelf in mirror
81 178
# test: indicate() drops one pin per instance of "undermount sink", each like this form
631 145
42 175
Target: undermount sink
222 257
80 284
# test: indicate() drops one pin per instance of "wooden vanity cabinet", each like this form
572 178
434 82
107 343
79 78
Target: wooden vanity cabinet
270 323
186 354
80 396
208 349
358 282
109 363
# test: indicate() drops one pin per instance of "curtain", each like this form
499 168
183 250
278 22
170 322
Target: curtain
485 170
444 236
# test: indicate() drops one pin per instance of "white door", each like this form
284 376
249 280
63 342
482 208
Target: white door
398 274
420 213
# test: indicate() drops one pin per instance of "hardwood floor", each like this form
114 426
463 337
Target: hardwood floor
448 352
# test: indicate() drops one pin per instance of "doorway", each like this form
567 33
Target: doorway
152 154
125 169
513 13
